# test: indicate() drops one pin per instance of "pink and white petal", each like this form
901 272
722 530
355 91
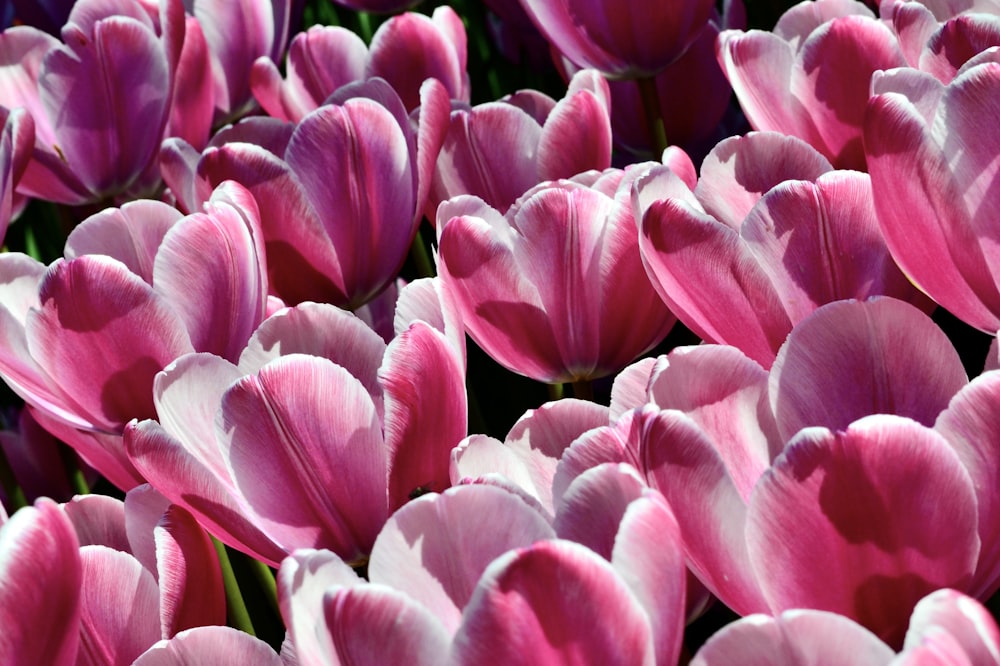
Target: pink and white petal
363 627
972 427
22 51
131 234
885 504
209 270
576 137
190 580
520 607
99 520
480 455
961 616
725 394
426 412
105 334
369 222
502 312
836 102
144 507
740 170
489 151
594 504
109 138
16 147
224 646
409 48
793 638
711 281
936 648
850 359
761 66
796 24
193 102
629 390
100 450
293 233
174 471
432 120
119 603
957 41
40 615
304 446
179 167
427 300
302 580
323 330
435 548
649 556
681 462
617 443
542 435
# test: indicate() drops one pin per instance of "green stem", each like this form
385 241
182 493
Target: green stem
556 392
73 472
238 614
583 390
265 579
365 26
421 257
15 495
654 114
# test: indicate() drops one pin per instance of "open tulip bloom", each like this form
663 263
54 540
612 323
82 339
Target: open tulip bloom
260 416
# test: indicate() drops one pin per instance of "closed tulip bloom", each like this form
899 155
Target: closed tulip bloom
541 288
621 39
932 153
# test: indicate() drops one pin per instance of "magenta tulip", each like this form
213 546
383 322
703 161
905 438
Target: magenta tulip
621 40
540 287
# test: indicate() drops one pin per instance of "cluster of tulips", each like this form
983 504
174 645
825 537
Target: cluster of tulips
248 422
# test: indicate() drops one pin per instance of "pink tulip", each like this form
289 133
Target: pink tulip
539 288
750 253
810 77
639 38
931 151
361 426
16 141
941 37
405 50
347 243
139 287
499 150
89 146
210 645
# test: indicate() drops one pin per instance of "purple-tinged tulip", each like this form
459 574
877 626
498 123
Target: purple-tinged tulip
346 243
499 150
932 154
36 459
362 425
139 287
92 146
745 256
238 32
539 288
638 38
16 141
40 596
405 50
810 77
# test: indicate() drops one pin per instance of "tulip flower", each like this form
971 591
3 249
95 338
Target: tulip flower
638 38
749 254
361 427
931 151
499 150
88 146
139 286
810 77
540 287
405 50
347 243
16 140
237 34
